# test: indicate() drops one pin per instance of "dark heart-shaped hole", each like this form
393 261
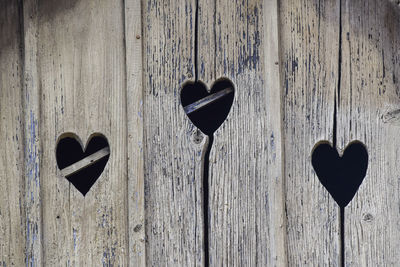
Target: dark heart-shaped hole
207 110
82 168
341 176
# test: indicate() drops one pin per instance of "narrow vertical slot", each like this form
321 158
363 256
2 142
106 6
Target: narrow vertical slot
196 36
342 236
206 199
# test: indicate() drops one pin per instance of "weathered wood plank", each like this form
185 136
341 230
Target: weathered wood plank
32 148
173 157
12 212
83 90
369 101
309 47
239 40
134 67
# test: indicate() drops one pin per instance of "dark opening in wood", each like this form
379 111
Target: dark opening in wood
340 175
207 110
82 167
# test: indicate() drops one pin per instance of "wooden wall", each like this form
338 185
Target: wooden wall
117 68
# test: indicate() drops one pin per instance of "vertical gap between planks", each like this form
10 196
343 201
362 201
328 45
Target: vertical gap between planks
206 171
215 38
342 258
196 38
337 95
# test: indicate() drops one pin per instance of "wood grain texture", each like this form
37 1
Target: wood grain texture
309 48
368 111
134 87
32 142
12 209
239 40
173 157
81 66
395 2
117 67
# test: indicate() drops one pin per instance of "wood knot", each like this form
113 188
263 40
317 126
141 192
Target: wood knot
368 217
137 228
198 136
391 117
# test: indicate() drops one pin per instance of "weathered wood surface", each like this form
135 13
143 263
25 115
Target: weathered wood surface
134 89
369 112
81 66
396 2
76 66
172 153
32 140
239 40
12 212
309 47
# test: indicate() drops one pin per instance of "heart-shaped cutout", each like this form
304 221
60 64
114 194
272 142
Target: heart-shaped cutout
341 176
207 110
82 167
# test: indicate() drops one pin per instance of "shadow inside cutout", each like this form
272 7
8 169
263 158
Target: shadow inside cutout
341 176
209 118
69 151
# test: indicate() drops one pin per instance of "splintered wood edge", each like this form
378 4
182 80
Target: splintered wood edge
86 162
207 100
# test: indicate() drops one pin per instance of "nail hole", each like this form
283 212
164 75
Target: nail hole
340 175
82 167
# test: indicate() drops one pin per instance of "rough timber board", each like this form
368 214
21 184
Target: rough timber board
369 112
32 148
173 161
134 87
12 212
239 40
81 60
82 76
309 54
